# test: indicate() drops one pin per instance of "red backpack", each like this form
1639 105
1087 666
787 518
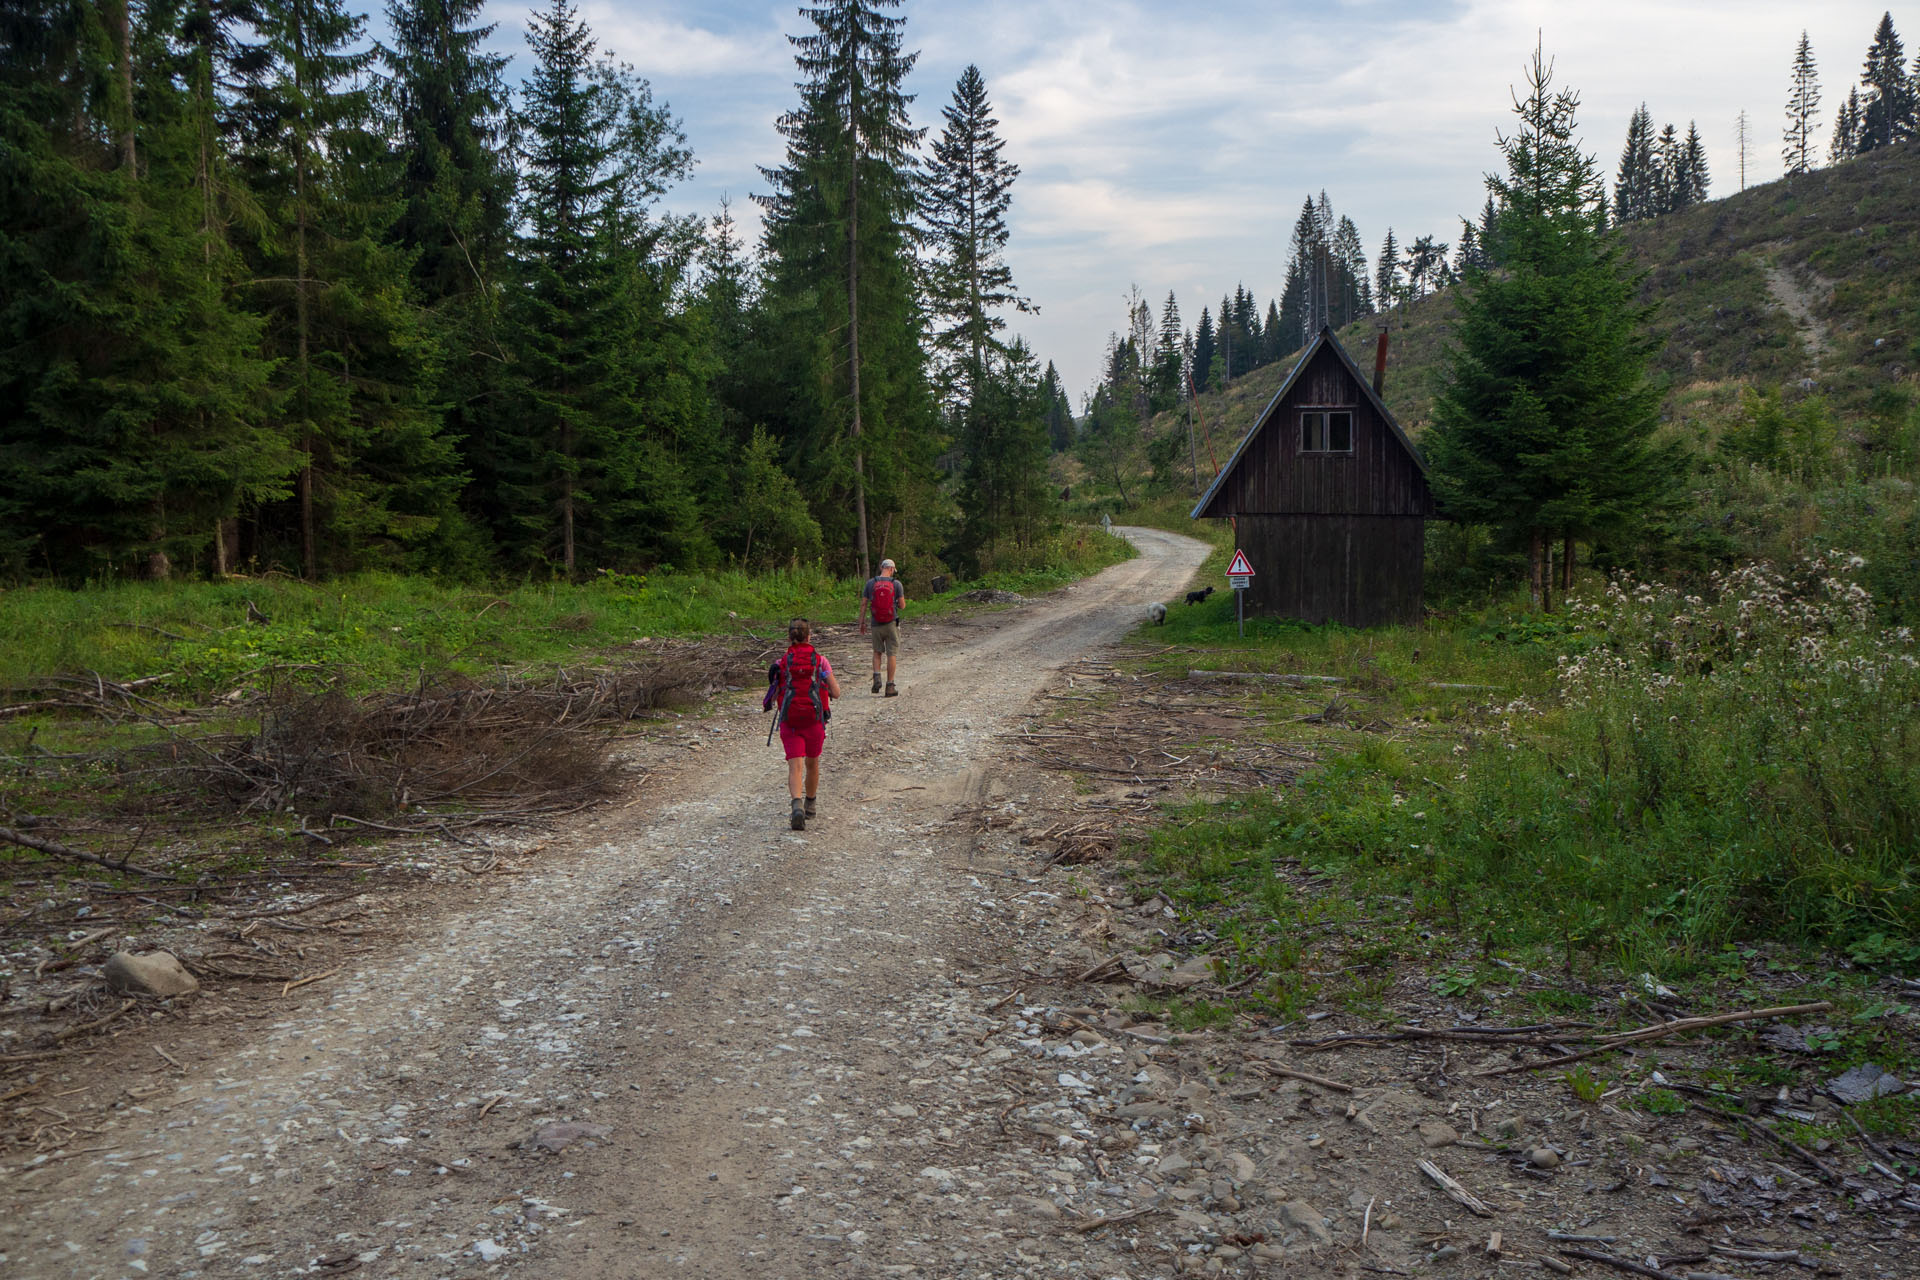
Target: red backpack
803 690
886 600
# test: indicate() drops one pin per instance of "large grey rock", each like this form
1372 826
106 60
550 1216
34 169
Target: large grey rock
1864 1083
1304 1218
151 973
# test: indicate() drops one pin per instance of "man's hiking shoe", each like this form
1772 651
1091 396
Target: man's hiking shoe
799 820
876 682
809 808
891 691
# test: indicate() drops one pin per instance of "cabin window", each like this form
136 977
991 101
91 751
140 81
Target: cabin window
1326 431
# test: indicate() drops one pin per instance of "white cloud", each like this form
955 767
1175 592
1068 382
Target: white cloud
1170 145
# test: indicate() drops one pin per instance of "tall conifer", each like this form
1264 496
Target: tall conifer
969 188
1205 347
1887 113
1386 274
840 239
1803 103
1545 423
1846 129
599 474
1635 182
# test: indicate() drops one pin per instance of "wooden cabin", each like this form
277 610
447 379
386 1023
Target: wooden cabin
1330 499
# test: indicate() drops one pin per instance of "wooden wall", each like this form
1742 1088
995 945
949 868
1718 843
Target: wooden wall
1274 478
1361 570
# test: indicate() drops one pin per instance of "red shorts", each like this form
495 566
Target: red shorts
803 740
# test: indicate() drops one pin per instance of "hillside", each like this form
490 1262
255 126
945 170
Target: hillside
1811 278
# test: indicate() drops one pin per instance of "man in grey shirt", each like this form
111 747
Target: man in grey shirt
882 601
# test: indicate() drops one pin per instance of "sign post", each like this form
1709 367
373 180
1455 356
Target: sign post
1240 577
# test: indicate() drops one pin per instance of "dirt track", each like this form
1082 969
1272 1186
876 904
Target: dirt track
765 1023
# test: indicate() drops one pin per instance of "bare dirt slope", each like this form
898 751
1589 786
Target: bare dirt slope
769 1033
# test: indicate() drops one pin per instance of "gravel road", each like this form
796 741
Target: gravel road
760 1039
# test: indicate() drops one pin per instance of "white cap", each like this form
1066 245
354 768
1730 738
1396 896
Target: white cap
886 564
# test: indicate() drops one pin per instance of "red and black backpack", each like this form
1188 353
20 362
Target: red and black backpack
886 600
802 694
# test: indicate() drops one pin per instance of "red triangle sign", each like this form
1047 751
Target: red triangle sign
1239 565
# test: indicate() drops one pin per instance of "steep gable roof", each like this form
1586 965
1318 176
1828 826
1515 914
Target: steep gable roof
1324 338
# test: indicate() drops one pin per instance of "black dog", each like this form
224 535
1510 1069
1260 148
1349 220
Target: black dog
1195 597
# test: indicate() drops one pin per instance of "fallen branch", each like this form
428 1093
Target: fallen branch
1625 1264
1284 677
54 848
1273 1069
295 986
1454 1190
1765 1255
1660 1031
327 901
1112 1219
81 1028
1820 1166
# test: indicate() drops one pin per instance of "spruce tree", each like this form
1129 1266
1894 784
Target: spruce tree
456 181
456 187
1004 494
1694 178
840 239
1545 422
1668 179
1205 343
1298 296
969 188
1246 331
1846 130
604 408
132 398
1635 183
1168 358
1386 278
1227 343
1059 410
356 361
1803 103
1273 336
1887 113
1354 296
1466 253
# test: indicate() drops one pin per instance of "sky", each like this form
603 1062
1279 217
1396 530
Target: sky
1169 145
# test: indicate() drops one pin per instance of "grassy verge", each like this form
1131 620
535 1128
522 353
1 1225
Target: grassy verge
1697 788
380 631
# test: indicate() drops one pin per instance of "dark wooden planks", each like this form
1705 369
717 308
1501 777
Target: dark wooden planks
1360 570
1273 477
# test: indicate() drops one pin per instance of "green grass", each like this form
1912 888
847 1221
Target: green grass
382 631
1637 785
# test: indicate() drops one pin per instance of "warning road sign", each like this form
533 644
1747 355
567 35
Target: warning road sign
1239 568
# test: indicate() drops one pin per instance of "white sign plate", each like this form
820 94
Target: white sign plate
1239 581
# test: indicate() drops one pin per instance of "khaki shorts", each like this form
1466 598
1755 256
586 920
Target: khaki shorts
886 638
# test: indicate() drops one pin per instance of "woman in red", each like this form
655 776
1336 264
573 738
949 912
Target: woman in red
800 692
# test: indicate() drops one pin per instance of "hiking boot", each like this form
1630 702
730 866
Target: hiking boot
891 691
876 682
809 808
799 819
